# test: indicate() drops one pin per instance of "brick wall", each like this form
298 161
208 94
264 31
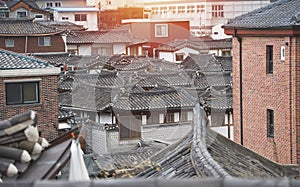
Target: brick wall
47 109
57 44
262 91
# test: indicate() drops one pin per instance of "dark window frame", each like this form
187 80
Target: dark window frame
80 17
269 59
22 93
270 123
42 41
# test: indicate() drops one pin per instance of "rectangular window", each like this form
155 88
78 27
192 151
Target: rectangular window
269 55
39 16
58 4
179 56
80 17
161 30
170 117
270 123
282 55
49 4
183 116
9 43
217 11
22 93
44 41
21 14
64 18
161 118
144 119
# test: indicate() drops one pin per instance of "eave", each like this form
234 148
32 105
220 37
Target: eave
37 34
275 31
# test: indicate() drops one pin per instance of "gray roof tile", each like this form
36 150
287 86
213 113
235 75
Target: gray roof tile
11 60
282 13
24 27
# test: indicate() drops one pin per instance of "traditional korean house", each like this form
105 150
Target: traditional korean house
24 35
177 50
27 9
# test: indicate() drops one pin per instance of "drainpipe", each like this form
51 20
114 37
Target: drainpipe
291 90
241 86
26 44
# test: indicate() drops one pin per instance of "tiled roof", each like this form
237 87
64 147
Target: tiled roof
62 25
25 155
24 27
196 44
119 35
205 63
84 36
30 3
65 114
56 59
204 153
282 13
157 99
11 60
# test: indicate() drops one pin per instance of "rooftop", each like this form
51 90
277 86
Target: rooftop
11 60
282 13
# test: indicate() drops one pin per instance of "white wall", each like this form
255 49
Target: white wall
169 56
119 49
218 33
105 118
85 49
223 130
90 24
169 133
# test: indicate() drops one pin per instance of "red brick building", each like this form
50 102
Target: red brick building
24 35
266 80
29 84
158 32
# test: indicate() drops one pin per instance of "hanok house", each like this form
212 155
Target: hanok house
24 35
266 52
29 84
26 9
202 153
177 50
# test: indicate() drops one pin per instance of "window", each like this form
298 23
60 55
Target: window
181 9
80 17
58 4
170 117
282 56
161 30
44 41
21 14
38 16
49 4
269 53
183 116
65 18
22 93
179 56
190 9
270 123
9 43
200 8
217 11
